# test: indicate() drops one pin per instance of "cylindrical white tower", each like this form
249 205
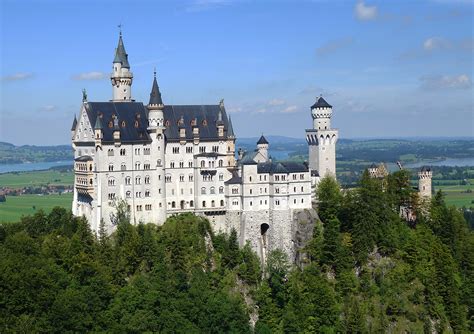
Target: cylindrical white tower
322 140
424 182
156 130
121 77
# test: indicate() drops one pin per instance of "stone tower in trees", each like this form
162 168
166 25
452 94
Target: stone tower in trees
424 182
322 139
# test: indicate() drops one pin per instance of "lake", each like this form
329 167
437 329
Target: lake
33 166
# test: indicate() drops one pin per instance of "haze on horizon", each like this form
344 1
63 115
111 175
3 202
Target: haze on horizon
390 69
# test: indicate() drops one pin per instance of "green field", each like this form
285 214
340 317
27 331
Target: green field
457 195
36 178
17 206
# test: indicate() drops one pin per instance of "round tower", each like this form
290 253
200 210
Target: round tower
424 182
322 139
262 147
121 77
156 130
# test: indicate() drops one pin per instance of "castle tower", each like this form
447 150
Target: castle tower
156 130
262 148
424 182
121 77
322 139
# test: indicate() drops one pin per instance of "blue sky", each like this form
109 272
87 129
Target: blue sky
389 68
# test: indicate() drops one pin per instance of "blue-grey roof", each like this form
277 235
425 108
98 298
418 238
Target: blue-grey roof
321 103
283 167
155 95
205 116
120 55
230 130
425 169
131 120
84 158
248 158
235 179
74 124
262 140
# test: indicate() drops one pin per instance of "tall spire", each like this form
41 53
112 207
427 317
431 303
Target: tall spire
155 95
120 55
230 129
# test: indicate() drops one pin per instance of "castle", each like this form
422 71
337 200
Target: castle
169 159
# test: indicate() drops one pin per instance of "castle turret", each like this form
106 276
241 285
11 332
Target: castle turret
322 139
98 133
424 182
156 130
262 148
121 77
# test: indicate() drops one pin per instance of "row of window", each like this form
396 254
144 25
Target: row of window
82 167
278 177
168 178
122 151
212 190
138 165
83 181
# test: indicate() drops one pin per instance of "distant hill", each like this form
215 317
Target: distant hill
11 154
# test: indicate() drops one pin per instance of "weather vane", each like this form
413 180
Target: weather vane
120 28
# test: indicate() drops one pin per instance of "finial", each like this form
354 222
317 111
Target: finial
84 95
120 29
154 71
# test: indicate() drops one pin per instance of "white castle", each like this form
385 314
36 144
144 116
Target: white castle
169 159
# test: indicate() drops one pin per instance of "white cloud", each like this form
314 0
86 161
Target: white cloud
276 102
90 76
49 107
17 76
290 109
261 110
333 46
201 5
436 43
365 13
435 82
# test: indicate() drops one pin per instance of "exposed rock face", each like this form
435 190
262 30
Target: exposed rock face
304 223
265 231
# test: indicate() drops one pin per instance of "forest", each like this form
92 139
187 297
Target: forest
367 271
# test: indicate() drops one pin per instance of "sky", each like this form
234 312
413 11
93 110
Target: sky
389 68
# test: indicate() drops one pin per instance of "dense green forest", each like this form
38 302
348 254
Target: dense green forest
367 271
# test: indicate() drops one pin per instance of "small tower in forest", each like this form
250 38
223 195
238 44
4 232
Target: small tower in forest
322 139
424 182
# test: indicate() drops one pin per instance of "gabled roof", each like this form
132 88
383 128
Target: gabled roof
155 95
235 179
204 116
120 55
321 103
131 120
74 124
262 140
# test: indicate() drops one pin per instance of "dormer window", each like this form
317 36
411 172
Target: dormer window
111 124
136 124
123 124
204 122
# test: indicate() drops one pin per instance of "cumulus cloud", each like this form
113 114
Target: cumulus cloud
202 5
90 76
48 107
365 13
18 76
276 102
436 82
436 43
290 109
333 46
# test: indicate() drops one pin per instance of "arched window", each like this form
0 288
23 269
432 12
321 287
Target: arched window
213 190
128 194
203 164
203 204
221 190
221 163
128 180
173 204
203 191
191 203
222 202
213 203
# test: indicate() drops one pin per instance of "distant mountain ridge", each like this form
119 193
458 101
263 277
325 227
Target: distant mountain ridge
12 154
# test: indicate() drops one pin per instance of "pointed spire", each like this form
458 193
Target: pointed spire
321 103
230 129
262 140
98 123
74 124
120 55
155 95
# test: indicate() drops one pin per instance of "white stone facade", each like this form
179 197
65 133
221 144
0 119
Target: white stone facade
165 160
